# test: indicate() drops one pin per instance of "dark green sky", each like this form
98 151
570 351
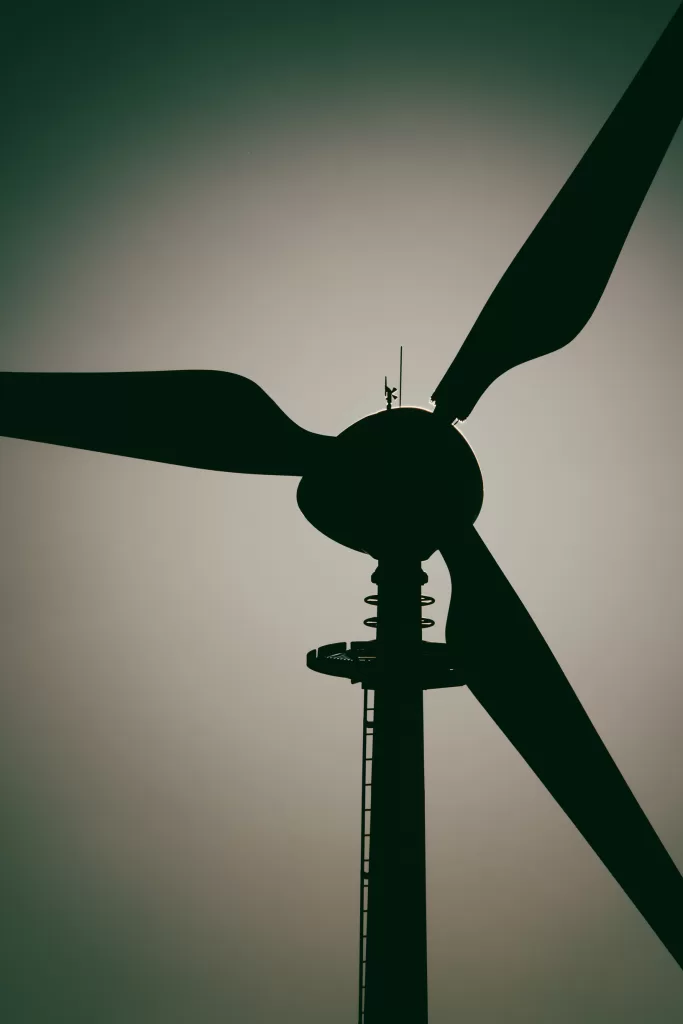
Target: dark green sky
88 87
291 191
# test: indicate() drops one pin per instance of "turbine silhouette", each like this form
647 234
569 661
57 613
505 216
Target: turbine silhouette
222 421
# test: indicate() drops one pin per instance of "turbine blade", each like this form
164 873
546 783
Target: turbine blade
511 671
202 418
550 290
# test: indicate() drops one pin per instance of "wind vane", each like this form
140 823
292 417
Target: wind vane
390 393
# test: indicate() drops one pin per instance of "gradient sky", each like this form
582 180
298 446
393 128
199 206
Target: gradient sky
291 193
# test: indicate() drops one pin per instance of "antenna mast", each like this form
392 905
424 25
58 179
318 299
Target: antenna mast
400 377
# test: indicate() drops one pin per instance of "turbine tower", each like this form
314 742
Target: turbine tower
222 421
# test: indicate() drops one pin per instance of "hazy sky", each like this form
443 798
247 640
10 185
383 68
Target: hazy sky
291 193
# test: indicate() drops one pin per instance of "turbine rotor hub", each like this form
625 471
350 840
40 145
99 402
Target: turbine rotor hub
400 478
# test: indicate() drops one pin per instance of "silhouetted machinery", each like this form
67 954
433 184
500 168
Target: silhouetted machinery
417 489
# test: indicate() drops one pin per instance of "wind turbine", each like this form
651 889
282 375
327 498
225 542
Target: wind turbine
221 421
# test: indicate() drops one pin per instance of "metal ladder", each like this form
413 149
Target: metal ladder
366 803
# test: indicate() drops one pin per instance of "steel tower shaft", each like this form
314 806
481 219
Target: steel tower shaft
396 949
